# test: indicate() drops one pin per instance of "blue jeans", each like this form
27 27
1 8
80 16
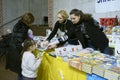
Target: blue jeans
19 77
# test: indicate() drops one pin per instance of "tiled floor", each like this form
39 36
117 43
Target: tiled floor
6 74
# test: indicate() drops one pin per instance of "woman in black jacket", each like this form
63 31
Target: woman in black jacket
88 32
63 24
19 34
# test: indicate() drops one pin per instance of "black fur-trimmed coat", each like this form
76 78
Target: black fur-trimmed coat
13 59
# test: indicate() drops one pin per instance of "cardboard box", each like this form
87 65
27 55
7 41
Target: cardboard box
98 70
111 75
87 68
88 65
76 64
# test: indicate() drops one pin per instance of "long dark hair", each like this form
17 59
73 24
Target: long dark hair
83 16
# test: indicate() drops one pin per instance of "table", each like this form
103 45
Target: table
52 68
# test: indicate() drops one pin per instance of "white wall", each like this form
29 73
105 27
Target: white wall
87 6
15 8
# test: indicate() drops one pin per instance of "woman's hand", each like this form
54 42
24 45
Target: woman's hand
44 44
52 46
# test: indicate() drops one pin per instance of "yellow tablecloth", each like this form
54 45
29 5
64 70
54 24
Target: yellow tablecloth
56 69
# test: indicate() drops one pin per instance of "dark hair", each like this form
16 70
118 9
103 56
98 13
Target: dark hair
83 17
28 18
27 43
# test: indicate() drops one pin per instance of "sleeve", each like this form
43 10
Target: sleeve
63 39
19 27
54 31
33 63
69 34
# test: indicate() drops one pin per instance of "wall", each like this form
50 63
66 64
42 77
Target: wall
15 8
1 17
50 13
87 6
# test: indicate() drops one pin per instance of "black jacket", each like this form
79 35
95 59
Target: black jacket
65 26
19 34
96 36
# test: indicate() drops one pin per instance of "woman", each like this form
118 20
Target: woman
88 32
63 24
19 34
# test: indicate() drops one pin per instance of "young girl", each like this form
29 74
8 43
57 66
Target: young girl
29 62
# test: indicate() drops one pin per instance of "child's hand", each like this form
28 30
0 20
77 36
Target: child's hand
40 54
40 57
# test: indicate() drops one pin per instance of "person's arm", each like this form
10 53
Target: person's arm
54 31
69 34
30 34
61 40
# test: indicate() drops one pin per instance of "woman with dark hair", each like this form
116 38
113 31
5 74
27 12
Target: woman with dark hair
19 34
88 32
